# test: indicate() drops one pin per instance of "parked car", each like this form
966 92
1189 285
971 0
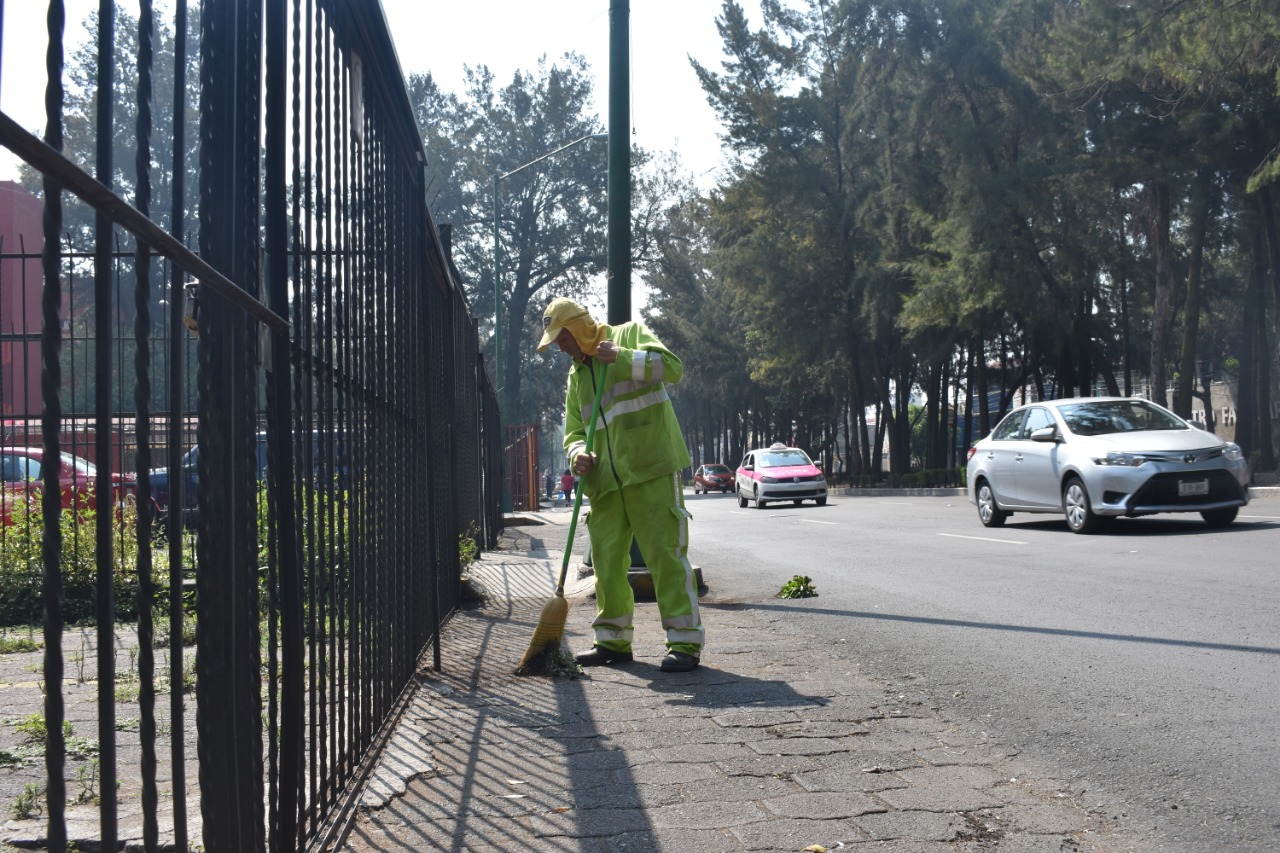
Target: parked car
713 477
321 461
22 470
1096 458
779 473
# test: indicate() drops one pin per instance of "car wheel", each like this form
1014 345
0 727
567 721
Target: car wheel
695 490
1220 517
742 501
989 512
822 501
797 502
759 503
1076 506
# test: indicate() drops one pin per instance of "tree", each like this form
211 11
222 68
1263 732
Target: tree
552 215
79 146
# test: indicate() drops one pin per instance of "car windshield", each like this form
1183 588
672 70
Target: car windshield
716 469
1113 416
85 466
783 458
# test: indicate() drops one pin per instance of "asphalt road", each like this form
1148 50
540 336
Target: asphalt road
1139 668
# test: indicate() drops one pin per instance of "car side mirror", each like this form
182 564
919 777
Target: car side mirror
748 468
1049 434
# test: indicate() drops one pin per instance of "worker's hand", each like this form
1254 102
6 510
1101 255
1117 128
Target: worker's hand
607 352
583 463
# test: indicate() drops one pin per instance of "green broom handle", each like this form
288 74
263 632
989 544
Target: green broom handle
577 492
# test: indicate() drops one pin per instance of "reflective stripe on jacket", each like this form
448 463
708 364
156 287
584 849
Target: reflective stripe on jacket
637 435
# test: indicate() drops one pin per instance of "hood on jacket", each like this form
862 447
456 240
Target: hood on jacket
564 313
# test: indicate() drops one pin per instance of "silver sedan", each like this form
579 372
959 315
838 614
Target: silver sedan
1096 458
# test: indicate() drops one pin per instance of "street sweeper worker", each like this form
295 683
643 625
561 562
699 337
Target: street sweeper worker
632 478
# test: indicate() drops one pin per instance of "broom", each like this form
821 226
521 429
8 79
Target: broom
544 648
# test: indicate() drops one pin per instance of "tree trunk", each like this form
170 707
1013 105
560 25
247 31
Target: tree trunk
1266 444
1191 304
1246 388
932 440
984 402
1162 320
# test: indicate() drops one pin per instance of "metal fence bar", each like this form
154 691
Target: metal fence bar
175 352
229 711
142 406
105 556
51 423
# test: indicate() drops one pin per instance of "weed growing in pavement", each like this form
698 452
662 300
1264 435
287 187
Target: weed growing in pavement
14 759
37 731
800 586
81 748
87 779
468 547
10 644
27 804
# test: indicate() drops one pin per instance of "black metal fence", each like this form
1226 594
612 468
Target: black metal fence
273 444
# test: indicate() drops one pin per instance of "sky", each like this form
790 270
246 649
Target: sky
669 110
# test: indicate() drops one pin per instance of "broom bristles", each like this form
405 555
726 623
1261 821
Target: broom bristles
550 630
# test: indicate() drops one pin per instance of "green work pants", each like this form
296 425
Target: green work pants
653 512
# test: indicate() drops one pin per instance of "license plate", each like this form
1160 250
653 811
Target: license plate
1192 487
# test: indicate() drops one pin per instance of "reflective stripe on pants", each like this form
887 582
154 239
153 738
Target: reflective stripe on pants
653 512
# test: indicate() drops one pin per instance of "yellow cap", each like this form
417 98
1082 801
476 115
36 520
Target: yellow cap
564 313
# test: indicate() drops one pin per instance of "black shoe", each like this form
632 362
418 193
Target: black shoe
600 655
678 662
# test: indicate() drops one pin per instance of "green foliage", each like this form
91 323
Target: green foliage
87 780
800 586
552 212
13 759
81 747
991 195
936 478
16 645
29 803
22 572
35 730
468 547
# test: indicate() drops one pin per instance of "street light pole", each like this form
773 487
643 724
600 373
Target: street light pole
497 253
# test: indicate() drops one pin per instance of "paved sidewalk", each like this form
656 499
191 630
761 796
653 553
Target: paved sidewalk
772 744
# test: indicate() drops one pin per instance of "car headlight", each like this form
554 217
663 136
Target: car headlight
1232 452
1121 458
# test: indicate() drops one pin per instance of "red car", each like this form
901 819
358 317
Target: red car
713 477
22 470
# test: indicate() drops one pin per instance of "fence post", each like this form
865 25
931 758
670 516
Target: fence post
228 658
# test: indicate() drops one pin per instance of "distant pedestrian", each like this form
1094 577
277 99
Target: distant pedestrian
550 482
567 482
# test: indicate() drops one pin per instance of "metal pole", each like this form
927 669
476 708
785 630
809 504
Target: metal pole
619 257
497 293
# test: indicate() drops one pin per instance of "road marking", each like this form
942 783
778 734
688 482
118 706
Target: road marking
1272 517
815 521
984 539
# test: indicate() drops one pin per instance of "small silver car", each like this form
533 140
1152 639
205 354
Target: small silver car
1096 458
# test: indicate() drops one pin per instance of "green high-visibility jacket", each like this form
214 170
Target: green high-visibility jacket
637 436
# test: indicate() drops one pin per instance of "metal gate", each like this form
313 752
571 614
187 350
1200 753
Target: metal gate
522 466
261 591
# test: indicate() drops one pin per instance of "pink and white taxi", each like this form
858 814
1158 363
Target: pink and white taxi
779 473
